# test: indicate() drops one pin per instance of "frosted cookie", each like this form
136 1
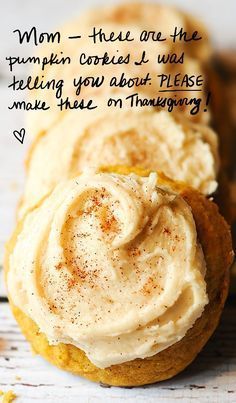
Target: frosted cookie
147 138
120 278
114 20
157 18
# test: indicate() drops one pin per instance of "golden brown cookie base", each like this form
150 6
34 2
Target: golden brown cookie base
214 236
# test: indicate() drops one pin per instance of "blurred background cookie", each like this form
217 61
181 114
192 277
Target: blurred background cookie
134 137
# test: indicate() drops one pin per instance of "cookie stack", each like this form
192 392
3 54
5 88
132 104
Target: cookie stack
118 267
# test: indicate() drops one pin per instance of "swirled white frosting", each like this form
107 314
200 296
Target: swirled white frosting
150 139
111 264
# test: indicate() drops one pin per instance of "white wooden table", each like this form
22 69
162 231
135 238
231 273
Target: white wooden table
212 377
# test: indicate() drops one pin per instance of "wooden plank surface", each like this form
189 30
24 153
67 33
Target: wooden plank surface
210 379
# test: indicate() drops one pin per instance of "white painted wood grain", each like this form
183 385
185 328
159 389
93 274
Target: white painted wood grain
210 379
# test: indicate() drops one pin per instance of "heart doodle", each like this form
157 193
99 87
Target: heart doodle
19 135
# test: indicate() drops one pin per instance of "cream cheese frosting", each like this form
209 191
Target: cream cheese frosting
147 138
114 267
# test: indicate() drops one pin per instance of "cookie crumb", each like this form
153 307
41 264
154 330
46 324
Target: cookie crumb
7 397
